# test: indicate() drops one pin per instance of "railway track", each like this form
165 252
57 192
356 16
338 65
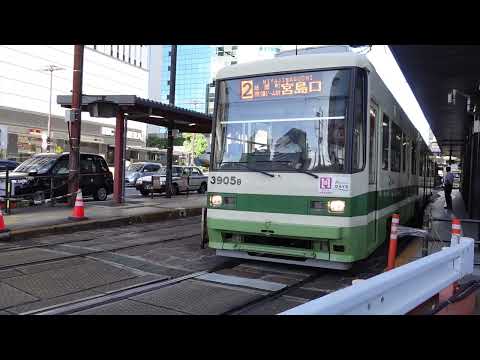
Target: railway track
98 304
232 287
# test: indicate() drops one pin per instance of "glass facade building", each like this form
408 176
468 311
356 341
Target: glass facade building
194 72
196 69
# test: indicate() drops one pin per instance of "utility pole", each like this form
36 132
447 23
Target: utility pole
51 68
75 127
171 101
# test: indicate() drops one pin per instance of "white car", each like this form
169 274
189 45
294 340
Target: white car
184 178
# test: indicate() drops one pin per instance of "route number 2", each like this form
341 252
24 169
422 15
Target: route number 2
247 90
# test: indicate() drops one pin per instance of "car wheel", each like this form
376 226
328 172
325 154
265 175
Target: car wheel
38 197
101 194
175 189
144 193
203 188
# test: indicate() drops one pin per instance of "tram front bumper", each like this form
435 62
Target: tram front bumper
224 234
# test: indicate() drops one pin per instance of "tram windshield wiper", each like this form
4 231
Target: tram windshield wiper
248 167
306 172
298 170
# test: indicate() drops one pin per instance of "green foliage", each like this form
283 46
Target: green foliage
161 143
200 145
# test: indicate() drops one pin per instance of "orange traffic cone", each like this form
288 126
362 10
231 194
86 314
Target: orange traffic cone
78 209
3 228
456 232
4 232
392 246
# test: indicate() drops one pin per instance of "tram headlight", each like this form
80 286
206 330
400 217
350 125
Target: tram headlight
216 200
336 206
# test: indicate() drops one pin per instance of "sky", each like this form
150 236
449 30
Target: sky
387 68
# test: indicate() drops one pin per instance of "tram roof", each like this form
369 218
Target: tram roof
296 63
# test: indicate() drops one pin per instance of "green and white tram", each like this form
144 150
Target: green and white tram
311 155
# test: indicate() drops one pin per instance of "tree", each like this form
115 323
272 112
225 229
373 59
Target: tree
200 145
161 143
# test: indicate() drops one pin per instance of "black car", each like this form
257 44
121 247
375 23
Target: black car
32 179
8 164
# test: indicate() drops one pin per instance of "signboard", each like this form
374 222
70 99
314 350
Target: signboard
334 185
281 86
108 131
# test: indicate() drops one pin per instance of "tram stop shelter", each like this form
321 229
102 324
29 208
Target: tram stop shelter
445 79
132 107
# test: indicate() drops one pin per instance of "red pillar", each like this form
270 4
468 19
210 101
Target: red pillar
118 158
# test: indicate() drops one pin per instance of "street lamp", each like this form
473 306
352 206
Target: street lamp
50 68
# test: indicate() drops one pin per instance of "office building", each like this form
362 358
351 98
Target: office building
25 95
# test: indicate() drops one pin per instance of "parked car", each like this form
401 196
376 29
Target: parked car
184 178
140 169
8 164
31 179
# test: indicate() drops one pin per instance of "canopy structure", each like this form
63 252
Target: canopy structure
445 79
132 107
148 111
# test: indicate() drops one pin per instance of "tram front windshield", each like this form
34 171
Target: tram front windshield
283 122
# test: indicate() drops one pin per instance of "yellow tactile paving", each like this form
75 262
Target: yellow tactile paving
412 252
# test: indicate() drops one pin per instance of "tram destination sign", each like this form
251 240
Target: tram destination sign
266 87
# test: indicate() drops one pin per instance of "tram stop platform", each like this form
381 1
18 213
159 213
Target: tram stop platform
42 220
441 234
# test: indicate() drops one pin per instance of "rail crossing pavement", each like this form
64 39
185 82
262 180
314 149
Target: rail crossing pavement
155 268
158 268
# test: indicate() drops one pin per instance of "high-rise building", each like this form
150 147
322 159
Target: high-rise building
197 66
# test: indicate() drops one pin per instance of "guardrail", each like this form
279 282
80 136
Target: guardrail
400 290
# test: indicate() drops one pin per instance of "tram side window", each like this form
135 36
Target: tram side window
404 153
396 147
385 141
359 125
414 159
421 163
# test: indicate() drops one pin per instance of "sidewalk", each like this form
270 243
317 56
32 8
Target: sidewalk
25 222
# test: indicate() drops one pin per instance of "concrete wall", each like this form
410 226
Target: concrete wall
23 86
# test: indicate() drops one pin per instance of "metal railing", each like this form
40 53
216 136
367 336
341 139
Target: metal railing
400 290
47 196
463 221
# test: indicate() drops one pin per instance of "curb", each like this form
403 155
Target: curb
166 214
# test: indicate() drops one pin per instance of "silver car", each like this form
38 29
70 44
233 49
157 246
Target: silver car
184 178
139 169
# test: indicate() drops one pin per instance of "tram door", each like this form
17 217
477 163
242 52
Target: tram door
373 119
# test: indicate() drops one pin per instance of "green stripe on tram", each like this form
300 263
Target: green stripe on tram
301 205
